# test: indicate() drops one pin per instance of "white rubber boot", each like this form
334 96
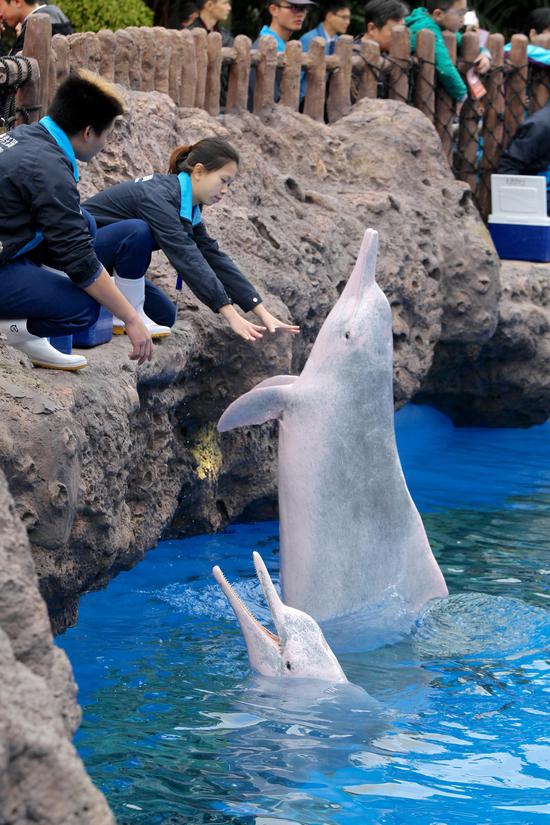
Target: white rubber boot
39 350
133 290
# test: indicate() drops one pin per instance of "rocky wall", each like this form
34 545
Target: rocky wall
42 779
504 382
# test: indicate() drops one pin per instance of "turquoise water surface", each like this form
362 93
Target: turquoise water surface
450 724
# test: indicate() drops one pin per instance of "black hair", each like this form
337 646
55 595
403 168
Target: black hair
334 6
212 152
85 99
539 20
442 5
186 9
380 11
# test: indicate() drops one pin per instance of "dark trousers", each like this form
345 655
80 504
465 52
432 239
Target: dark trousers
126 246
53 305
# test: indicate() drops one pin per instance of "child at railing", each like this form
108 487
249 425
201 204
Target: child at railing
171 207
438 16
537 23
381 17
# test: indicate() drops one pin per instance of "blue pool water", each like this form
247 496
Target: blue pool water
451 724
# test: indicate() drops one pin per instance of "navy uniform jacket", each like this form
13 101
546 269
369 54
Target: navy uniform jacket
39 200
164 202
529 151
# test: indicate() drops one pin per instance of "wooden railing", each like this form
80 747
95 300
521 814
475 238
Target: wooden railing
187 65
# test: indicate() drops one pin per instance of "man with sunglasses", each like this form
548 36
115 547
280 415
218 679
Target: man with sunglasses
286 19
336 22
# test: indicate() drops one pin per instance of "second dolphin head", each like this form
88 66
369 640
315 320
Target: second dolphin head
298 649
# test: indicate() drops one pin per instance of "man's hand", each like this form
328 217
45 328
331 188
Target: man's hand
140 338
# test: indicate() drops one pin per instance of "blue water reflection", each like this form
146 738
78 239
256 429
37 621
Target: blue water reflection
448 725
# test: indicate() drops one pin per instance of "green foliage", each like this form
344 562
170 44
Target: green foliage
92 15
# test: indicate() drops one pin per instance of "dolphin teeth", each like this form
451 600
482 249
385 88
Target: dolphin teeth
248 611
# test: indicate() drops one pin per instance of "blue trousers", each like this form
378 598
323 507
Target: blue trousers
53 305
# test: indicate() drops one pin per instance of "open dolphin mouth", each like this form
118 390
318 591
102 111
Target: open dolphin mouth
249 623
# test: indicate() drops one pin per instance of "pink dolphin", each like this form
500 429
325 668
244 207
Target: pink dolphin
351 536
299 648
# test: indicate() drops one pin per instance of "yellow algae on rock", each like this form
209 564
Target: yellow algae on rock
207 453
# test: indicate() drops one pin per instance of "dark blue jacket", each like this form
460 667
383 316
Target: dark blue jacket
178 230
529 151
39 198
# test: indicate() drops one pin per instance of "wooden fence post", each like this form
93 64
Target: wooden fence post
107 44
292 73
148 58
94 53
493 122
163 47
266 69
176 65
424 91
201 58
213 73
468 130
368 78
135 72
239 73
314 104
445 106
52 77
540 87
78 51
516 92
189 70
123 47
38 38
400 55
339 85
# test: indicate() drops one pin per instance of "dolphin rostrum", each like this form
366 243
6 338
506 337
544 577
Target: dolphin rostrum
350 533
299 649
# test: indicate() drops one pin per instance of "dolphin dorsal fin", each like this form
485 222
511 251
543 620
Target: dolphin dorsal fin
266 401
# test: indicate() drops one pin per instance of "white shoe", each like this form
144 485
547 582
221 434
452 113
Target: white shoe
133 290
39 350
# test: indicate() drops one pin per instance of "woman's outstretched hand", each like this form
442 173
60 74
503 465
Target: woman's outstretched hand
240 326
272 324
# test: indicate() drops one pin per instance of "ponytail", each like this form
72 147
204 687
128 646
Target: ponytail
212 153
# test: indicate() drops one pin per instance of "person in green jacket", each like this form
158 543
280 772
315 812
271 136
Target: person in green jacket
438 16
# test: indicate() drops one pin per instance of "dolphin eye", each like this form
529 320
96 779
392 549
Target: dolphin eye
348 333
288 666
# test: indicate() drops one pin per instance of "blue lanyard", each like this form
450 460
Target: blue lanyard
62 140
187 210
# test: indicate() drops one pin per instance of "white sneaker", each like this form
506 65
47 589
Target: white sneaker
39 350
133 290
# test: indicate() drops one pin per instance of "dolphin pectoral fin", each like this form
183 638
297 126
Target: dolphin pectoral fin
255 407
277 381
